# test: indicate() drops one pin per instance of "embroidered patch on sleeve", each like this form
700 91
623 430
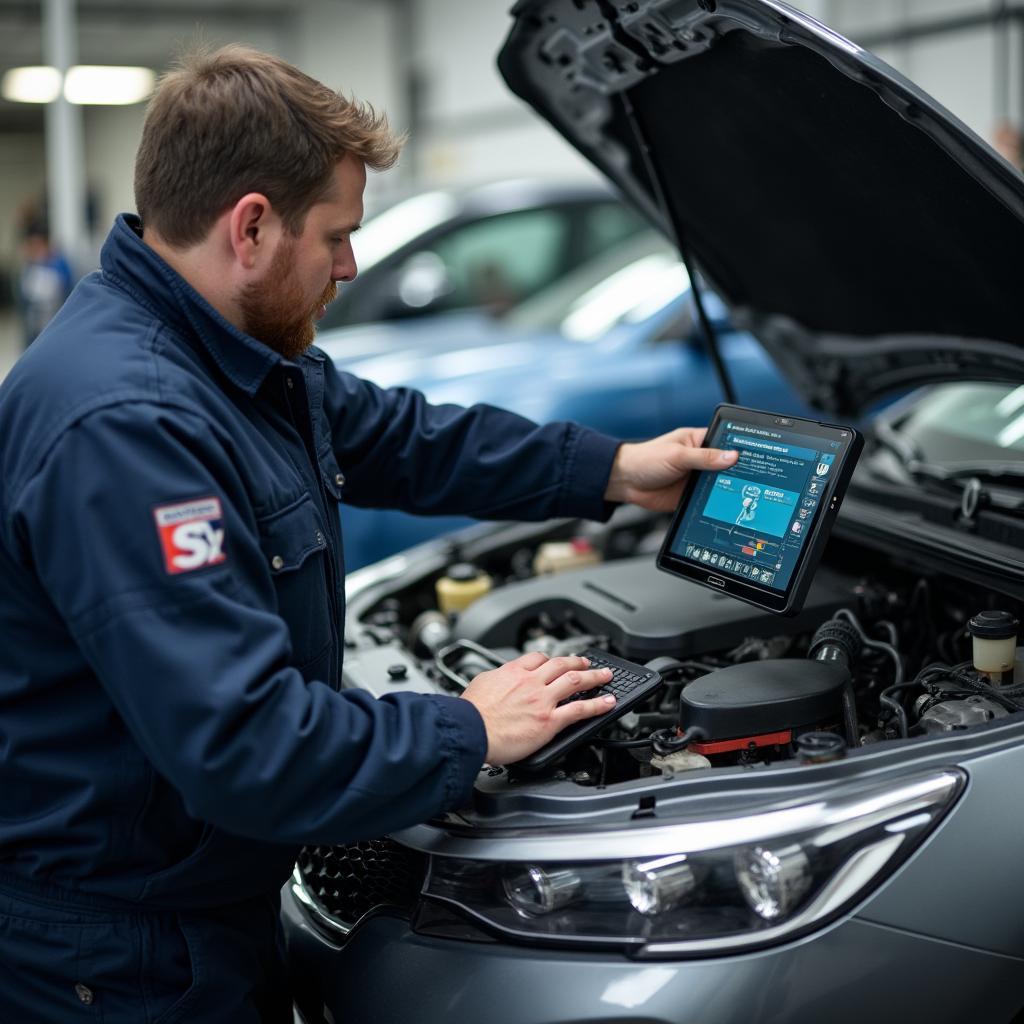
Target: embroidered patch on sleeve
191 534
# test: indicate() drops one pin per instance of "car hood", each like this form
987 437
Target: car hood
867 237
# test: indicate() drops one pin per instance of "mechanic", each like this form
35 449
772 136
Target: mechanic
172 454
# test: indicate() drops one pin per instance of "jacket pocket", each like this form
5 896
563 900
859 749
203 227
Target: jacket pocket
177 951
294 544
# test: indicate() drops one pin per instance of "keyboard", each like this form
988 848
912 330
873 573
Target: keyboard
630 683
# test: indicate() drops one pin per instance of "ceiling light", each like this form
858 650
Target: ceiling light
101 85
39 84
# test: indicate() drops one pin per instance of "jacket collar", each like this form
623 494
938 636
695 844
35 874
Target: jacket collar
126 259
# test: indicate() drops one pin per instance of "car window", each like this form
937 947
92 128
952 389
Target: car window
402 223
500 260
606 224
629 282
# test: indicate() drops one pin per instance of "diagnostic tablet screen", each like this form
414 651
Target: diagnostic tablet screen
748 529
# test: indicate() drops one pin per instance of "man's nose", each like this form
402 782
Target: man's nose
345 268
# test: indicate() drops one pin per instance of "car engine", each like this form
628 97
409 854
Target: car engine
879 652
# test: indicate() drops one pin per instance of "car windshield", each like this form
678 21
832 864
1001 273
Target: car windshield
626 285
965 421
400 224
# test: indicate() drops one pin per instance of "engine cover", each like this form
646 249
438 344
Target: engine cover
644 613
759 697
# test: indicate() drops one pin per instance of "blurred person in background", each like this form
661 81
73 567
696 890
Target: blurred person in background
44 281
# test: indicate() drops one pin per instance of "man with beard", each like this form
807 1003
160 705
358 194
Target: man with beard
172 454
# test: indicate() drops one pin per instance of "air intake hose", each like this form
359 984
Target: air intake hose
838 642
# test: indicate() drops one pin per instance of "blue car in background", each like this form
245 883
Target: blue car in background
614 345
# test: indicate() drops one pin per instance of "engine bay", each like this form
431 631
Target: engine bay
880 652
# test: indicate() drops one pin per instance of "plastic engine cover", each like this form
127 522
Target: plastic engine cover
760 697
643 612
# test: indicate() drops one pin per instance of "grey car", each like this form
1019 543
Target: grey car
481 248
826 852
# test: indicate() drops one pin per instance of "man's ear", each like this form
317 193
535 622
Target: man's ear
253 229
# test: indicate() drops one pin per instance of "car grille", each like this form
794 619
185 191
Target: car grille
347 882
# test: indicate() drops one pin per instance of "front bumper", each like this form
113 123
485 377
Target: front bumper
854 971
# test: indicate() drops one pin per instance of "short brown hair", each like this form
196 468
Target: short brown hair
237 120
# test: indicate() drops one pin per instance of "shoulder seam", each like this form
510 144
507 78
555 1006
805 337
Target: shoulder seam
75 418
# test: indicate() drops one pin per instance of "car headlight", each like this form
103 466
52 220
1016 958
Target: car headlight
698 888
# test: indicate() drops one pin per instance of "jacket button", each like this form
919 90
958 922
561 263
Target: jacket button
339 479
84 994
289 382
277 562
319 537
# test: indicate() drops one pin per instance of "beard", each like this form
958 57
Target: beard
274 310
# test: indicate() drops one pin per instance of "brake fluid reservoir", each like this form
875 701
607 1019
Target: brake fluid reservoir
560 555
994 637
463 584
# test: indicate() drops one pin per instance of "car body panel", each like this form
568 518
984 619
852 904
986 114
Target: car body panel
836 977
963 886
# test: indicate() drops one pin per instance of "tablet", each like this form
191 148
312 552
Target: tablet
757 530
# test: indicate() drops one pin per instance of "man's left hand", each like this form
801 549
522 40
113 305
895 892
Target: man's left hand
652 474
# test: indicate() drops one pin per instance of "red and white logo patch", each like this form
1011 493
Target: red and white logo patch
191 534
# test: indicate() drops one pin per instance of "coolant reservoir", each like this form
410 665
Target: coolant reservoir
995 643
463 584
560 555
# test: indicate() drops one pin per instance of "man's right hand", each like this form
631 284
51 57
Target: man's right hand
519 702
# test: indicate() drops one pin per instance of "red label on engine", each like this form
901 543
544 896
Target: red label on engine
768 739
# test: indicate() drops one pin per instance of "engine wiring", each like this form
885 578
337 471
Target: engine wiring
905 678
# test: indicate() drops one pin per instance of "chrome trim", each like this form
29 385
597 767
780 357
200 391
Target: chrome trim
832 819
312 908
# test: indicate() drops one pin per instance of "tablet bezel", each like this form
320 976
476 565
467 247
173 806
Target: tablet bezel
789 601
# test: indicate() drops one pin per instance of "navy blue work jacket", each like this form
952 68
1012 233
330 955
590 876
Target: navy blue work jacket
171 592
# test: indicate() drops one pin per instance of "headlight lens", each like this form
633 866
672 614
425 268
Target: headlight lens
791 870
773 881
536 891
656 886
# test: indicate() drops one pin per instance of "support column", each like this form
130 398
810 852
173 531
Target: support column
65 158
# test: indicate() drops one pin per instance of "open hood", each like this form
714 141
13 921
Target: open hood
866 236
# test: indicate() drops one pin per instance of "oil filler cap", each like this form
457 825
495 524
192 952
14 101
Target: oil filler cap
820 747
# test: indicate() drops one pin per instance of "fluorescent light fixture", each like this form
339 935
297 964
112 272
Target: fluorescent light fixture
87 84
40 84
101 85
